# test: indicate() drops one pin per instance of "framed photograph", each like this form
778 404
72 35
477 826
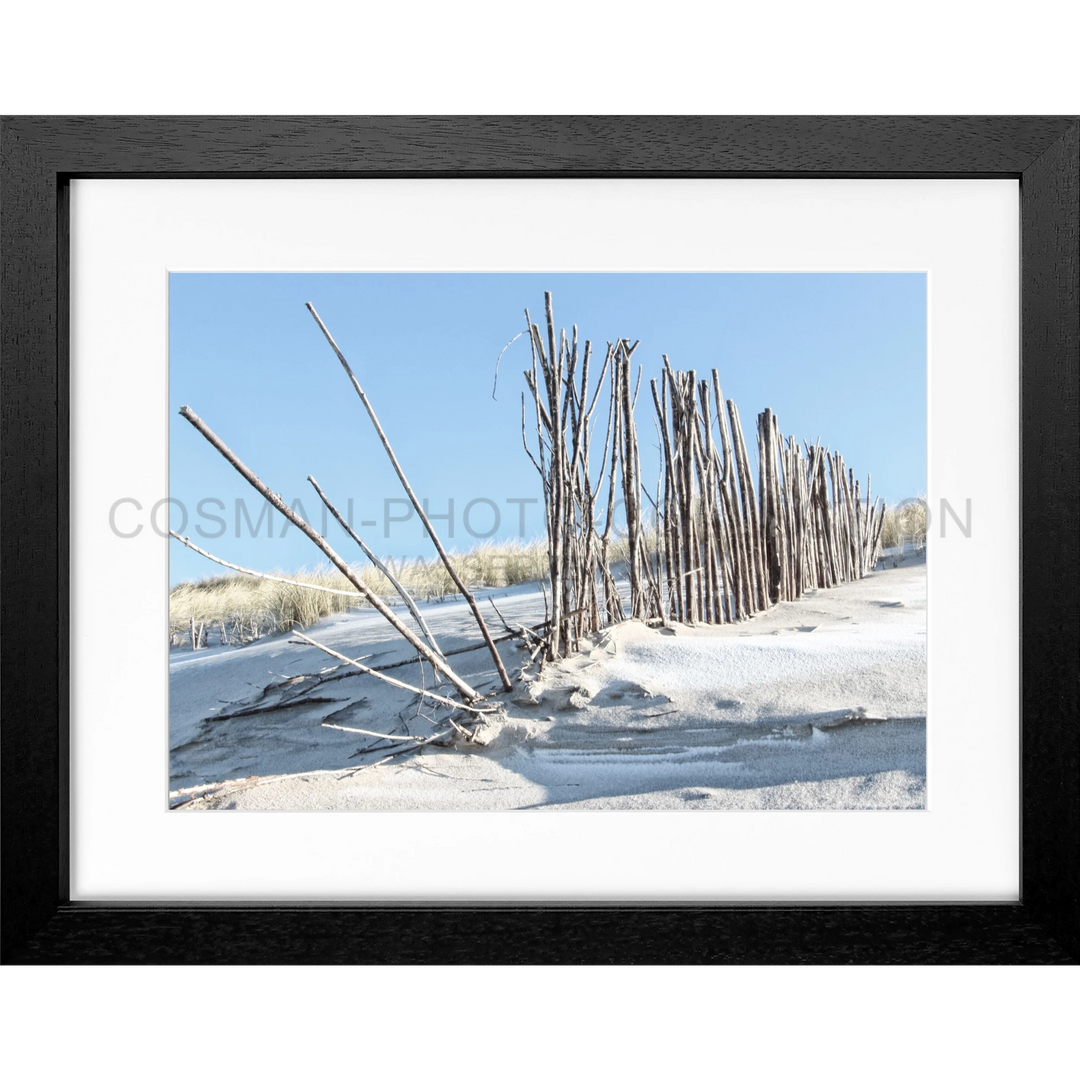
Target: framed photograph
378 492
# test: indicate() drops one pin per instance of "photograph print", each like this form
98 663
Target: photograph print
561 541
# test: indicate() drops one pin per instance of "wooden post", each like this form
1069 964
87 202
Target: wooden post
611 592
741 567
751 525
664 432
784 506
770 495
769 502
717 547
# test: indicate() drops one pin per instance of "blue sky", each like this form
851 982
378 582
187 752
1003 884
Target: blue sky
840 357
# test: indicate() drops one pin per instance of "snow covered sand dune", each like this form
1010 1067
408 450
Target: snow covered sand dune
818 703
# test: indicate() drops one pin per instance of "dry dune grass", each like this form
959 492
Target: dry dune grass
904 523
234 608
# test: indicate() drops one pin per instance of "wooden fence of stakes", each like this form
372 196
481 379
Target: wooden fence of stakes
730 551
720 549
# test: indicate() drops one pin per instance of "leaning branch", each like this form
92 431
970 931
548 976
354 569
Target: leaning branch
417 506
379 565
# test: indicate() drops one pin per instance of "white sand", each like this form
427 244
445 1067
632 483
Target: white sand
816 704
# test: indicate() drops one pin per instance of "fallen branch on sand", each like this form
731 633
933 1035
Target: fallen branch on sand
259 710
392 681
397 753
375 734
412 659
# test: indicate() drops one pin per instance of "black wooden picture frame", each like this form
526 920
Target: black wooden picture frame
40 155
